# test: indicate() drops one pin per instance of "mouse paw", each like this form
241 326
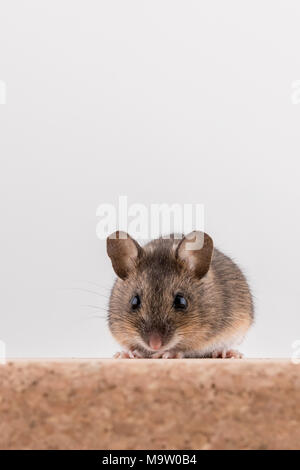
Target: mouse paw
121 355
128 354
227 354
172 355
135 354
168 355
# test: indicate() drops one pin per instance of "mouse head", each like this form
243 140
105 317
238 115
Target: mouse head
154 305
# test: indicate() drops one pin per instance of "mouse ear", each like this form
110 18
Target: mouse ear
123 251
196 250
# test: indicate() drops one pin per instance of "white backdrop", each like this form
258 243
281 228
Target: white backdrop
162 101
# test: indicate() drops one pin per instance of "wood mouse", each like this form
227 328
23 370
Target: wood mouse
172 300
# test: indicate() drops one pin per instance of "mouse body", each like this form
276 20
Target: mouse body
177 298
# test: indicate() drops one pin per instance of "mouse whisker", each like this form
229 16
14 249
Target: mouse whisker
95 284
88 291
97 316
95 307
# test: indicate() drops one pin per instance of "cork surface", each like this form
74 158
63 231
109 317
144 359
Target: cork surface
150 404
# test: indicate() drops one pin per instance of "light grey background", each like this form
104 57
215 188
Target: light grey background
162 101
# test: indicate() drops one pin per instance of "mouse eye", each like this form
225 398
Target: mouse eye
180 303
135 302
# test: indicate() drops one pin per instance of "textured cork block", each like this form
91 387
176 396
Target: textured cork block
150 404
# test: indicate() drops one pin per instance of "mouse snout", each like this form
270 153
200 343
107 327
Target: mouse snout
157 335
155 341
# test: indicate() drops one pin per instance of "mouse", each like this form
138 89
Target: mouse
177 297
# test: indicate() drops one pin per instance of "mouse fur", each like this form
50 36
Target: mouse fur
219 308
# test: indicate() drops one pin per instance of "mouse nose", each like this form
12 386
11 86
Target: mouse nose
155 341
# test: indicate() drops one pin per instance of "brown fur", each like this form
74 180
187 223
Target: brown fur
220 308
